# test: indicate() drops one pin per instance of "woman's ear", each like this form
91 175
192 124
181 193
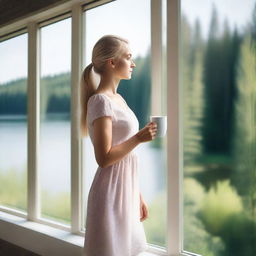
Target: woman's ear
111 63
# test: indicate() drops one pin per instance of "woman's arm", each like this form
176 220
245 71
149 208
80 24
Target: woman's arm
105 154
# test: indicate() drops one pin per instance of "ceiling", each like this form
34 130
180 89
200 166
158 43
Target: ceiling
12 10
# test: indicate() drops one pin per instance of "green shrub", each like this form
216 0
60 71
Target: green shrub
196 238
194 193
219 204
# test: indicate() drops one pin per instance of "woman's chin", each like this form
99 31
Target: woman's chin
127 78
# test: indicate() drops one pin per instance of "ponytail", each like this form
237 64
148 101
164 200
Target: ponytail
87 89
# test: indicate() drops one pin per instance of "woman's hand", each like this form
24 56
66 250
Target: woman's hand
147 133
143 210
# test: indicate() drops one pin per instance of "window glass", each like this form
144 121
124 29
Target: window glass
134 25
13 122
55 121
219 119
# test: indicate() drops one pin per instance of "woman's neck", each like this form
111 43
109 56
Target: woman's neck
108 85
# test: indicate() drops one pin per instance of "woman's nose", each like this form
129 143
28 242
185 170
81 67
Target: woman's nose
133 64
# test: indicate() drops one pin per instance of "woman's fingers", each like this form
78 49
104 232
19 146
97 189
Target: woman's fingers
148 133
153 125
141 213
144 212
153 129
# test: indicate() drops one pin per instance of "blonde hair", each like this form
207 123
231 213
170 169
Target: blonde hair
107 47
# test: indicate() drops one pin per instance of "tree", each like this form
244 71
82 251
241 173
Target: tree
219 80
244 142
192 69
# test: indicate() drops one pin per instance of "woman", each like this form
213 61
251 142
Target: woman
115 208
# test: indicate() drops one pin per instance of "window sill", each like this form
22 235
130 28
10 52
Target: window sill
42 239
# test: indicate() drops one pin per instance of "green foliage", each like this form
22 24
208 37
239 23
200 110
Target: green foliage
13 189
218 205
228 81
155 225
193 100
13 194
244 141
194 193
212 168
220 61
214 222
56 206
196 238
239 235
55 95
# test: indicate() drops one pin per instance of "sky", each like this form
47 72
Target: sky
237 12
118 17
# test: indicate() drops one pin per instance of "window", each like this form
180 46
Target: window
133 24
219 140
13 122
55 121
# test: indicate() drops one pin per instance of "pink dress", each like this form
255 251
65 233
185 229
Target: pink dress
113 226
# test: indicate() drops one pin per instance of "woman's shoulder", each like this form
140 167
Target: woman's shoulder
98 106
99 100
97 97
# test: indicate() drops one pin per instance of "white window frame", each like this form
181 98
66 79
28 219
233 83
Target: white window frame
75 9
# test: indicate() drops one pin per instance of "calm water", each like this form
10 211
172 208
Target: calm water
54 156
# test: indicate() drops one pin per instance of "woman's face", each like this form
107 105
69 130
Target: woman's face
124 64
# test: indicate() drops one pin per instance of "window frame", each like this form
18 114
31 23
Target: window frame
75 9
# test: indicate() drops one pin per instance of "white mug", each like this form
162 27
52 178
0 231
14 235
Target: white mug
161 122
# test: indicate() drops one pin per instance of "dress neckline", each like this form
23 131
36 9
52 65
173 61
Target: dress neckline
127 108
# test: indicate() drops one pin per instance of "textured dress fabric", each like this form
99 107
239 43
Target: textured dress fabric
113 226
